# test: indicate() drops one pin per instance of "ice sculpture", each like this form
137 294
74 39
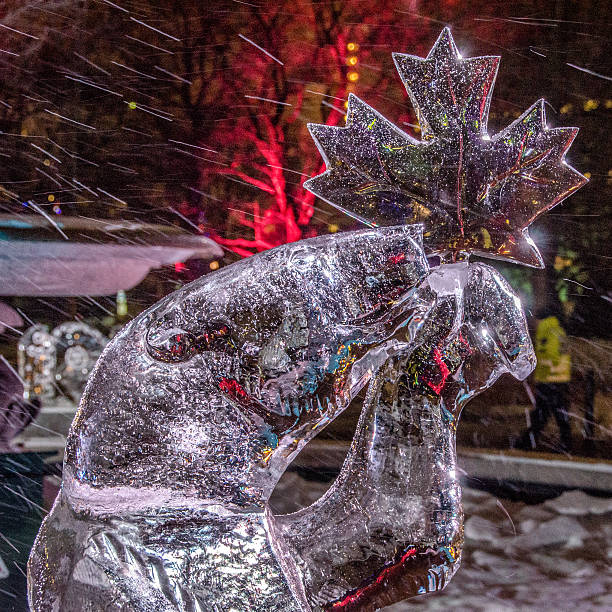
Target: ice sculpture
36 359
196 408
77 347
60 361
474 193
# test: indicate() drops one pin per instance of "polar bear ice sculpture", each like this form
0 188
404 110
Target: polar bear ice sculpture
197 407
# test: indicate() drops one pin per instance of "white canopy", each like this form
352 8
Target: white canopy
88 257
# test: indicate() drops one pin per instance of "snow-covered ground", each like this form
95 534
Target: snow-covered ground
550 556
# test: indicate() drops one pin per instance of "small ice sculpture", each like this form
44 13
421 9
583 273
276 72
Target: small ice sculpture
36 359
59 361
196 408
77 347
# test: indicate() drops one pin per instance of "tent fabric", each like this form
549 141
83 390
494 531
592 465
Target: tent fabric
9 317
78 256
71 269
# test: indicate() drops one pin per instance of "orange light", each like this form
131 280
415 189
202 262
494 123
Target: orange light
352 46
352 76
352 60
213 265
333 228
51 198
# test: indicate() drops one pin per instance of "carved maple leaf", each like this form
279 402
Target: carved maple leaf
472 192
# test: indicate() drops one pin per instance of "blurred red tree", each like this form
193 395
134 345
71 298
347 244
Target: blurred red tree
299 65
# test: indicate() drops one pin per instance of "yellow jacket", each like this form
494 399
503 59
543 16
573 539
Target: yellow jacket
554 364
